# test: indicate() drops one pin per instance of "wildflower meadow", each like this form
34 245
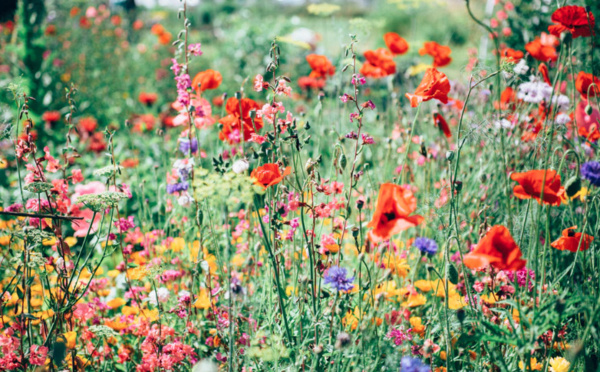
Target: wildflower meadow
289 185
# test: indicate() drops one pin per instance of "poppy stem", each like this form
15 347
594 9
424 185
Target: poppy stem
402 178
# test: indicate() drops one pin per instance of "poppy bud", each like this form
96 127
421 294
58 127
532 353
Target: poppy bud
461 315
360 204
238 95
423 149
572 186
588 109
458 185
343 161
566 37
355 231
449 155
307 126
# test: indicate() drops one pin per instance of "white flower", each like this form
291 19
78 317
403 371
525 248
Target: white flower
240 166
534 92
561 101
159 295
506 124
562 119
521 68
185 200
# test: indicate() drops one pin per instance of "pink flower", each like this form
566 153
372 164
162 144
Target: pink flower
195 49
76 176
399 336
125 224
258 83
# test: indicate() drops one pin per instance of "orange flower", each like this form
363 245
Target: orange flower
441 123
440 53
543 49
573 19
435 85
234 120
395 204
584 82
379 63
498 249
511 55
570 240
530 186
88 124
269 174
320 65
395 43
157 29
207 80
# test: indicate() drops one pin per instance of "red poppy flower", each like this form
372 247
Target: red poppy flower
395 204
531 185
512 55
238 114
379 63
147 99
307 82
572 19
88 124
541 51
584 86
440 53
543 69
435 85
269 174
207 80
51 116
570 241
395 43
497 249
320 65
441 123
507 99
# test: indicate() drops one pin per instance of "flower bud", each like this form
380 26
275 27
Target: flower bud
240 166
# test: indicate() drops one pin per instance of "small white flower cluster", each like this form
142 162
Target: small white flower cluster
534 92
160 295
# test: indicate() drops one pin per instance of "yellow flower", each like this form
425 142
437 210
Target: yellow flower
130 310
323 9
456 302
71 241
535 366
396 264
70 339
417 69
416 324
437 285
203 301
116 303
237 260
177 244
137 273
559 364
414 300
351 319
490 299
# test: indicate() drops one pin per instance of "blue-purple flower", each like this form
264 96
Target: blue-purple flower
426 245
338 278
409 364
177 187
591 172
184 145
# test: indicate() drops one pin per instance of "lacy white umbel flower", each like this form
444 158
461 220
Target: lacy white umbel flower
534 92
521 68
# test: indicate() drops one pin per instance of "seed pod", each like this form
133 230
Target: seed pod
449 155
343 162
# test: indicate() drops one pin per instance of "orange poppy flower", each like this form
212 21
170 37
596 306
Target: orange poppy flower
584 82
440 53
542 51
395 43
435 85
269 174
497 249
543 69
320 65
507 99
572 19
441 123
207 80
379 63
530 186
512 55
233 121
395 204
570 240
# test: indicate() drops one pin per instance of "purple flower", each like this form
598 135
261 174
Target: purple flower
426 245
591 172
337 277
367 140
177 187
184 145
408 364
352 135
